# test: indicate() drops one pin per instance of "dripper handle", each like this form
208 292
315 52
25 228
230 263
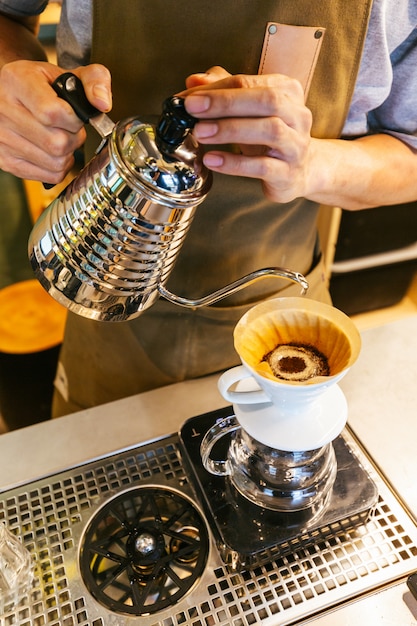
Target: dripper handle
235 375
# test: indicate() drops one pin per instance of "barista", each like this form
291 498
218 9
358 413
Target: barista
287 159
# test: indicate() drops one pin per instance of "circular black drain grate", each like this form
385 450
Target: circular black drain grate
144 550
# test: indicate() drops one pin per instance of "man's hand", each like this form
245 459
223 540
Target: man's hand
265 116
39 131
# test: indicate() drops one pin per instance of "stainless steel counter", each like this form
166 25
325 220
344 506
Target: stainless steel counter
381 393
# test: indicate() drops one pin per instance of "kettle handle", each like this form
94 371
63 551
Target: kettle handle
70 88
237 285
173 126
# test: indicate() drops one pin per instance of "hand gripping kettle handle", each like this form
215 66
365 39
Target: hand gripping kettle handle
70 88
173 125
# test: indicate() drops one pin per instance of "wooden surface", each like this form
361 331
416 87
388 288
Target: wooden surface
30 320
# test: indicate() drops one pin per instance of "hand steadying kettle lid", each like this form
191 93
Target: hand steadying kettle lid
106 246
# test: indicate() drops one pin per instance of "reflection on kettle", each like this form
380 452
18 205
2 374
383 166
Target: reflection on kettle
106 246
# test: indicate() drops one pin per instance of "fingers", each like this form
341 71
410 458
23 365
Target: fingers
39 131
32 168
97 85
267 112
281 181
273 118
206 78
37 135
251 96
275 131
241 165
267 118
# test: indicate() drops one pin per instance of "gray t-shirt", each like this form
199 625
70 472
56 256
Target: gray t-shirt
384 96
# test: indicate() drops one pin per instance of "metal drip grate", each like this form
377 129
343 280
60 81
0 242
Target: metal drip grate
312 573
144 550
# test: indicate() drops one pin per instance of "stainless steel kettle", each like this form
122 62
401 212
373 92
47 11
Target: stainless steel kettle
105 247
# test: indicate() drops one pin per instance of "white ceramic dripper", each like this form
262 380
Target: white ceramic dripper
287 414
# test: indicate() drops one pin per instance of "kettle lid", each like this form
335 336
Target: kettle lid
164 158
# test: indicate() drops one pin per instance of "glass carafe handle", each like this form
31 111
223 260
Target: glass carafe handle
217 431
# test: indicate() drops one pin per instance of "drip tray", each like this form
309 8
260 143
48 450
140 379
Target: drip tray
54 516
248 534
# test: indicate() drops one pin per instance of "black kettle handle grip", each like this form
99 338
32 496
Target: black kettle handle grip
70 88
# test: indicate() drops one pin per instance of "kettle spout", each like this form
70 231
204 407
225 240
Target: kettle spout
237 285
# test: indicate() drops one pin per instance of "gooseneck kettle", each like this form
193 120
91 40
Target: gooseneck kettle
105 247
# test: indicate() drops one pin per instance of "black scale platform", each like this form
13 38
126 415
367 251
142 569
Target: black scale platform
248 534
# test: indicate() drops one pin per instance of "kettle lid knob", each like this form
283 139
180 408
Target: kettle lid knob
174 125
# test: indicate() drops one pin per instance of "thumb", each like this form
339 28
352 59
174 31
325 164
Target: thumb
96 80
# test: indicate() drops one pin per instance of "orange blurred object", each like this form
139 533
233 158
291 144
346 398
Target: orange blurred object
30 319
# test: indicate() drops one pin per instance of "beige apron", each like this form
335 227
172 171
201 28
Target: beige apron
150 46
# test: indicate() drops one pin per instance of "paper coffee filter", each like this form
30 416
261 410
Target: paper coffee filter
300 320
